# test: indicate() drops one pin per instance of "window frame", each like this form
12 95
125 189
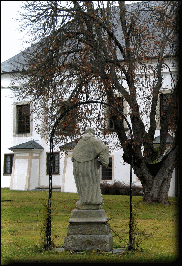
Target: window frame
15 118
47 163
22 119
11 164
121 108
159 117
111 158
163 112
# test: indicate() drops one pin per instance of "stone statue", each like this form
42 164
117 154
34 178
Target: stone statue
88 154
88 228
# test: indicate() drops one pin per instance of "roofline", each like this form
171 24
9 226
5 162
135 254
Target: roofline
121 61
23 150
6 72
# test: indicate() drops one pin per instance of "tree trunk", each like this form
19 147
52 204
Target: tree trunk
156 187
158 192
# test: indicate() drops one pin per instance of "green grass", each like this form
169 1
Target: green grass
23 213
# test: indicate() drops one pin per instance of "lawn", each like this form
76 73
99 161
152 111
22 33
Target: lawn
22 228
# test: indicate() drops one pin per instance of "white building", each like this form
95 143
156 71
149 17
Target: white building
25 155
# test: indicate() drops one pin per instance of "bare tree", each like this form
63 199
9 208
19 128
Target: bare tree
95 50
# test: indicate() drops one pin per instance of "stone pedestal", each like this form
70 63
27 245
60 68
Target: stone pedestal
88 230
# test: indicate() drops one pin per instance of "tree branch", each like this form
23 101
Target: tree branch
102 24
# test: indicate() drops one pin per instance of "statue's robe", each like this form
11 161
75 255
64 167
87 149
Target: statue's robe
88 154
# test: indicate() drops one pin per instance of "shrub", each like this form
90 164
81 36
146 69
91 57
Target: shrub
118 188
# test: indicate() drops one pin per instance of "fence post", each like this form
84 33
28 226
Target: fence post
48 242
130 244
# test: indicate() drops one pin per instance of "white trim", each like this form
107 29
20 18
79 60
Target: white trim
100 171
15 119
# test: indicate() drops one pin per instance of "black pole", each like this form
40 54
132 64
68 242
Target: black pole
48 243
130 244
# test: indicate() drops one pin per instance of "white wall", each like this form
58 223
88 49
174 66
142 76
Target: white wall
6 125
34 181
20 176
122 169
68 181
65 178
8 140
171 192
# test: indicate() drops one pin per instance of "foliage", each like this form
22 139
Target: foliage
45 217
101 50
119 188
22 218
84 49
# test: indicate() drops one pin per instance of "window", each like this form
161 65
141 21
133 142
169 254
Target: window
164 99
23 118
68 125
8 164
106 172
164 104
55 168
115 114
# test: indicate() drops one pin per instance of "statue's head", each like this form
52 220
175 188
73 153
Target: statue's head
90 130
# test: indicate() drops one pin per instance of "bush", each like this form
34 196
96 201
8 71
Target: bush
118 188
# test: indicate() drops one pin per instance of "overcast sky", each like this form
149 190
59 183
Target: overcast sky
11 37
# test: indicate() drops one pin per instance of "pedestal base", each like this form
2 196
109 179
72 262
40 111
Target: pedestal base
88 242
88 230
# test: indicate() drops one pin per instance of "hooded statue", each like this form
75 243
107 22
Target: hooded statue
88 154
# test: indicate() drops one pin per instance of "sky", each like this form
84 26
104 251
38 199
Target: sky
12 40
